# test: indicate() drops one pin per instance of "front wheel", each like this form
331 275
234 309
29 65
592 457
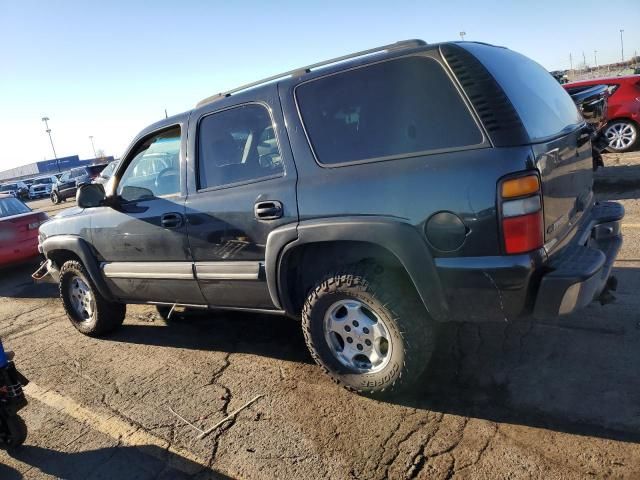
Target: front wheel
622 136
13 431
369 332
87 309
55 198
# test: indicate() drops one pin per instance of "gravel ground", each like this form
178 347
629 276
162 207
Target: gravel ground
554 399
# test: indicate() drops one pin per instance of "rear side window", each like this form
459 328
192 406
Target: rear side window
395 108
545 108
237 145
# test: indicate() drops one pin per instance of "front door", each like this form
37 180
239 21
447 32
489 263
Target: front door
244 188
143 238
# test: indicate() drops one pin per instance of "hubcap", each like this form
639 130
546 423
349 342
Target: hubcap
621 135
357 337
81 298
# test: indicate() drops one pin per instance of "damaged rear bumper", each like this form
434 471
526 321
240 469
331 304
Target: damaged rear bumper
503 288
580 274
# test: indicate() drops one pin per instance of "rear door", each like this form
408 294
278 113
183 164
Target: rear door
557 133
243 188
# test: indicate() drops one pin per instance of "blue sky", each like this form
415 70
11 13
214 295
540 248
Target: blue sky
110 68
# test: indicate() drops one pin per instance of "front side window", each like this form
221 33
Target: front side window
237 145
399 107
154 169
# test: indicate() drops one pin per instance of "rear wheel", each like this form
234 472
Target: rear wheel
14 431
622 135
87 309
369 332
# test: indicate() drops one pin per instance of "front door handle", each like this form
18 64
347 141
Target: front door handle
268 210
171 220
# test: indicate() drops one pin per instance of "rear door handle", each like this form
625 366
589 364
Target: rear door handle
269 210
171 220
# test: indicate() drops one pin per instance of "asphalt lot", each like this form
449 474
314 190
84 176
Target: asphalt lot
554 399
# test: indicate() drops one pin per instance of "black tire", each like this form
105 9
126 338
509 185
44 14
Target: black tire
629 128
392 299
55 198
14 432
105 316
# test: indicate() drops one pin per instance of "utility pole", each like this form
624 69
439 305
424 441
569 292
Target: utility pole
622 45
93 146
571 61
462 34
584 61
48 130
595 58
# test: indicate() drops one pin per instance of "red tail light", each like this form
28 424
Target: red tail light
521 207
522 234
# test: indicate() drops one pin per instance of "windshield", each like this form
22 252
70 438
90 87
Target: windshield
41 181
108 171
12 206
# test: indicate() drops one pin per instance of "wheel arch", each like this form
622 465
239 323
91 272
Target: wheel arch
333 242
62 248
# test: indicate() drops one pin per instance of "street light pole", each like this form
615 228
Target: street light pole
93 146
462 34
48 130
595 58
622 45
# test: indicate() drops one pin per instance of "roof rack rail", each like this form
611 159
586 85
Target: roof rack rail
414 43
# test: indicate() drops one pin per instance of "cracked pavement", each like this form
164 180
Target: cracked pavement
550 399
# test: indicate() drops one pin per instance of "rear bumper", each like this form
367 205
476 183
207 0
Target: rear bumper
581 272
502 288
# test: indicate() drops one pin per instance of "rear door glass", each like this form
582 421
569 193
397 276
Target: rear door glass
395 108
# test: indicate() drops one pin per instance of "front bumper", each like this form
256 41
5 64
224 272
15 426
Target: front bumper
581 272
39 194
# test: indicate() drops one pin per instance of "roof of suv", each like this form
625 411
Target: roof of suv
308 72
338 64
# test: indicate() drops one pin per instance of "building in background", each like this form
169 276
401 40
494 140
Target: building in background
49 166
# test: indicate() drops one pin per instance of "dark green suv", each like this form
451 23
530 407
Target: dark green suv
372 196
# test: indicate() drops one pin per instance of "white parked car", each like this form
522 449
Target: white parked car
41 187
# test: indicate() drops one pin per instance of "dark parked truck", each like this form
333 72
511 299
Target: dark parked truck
373 196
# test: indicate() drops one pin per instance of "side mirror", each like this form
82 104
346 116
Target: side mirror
90 195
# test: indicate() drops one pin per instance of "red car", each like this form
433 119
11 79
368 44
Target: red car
623 126
18 230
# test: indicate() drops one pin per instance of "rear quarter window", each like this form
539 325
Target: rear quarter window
545 108
396 108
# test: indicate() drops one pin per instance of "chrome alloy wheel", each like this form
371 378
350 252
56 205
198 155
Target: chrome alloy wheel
357 337
81 298
621 135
